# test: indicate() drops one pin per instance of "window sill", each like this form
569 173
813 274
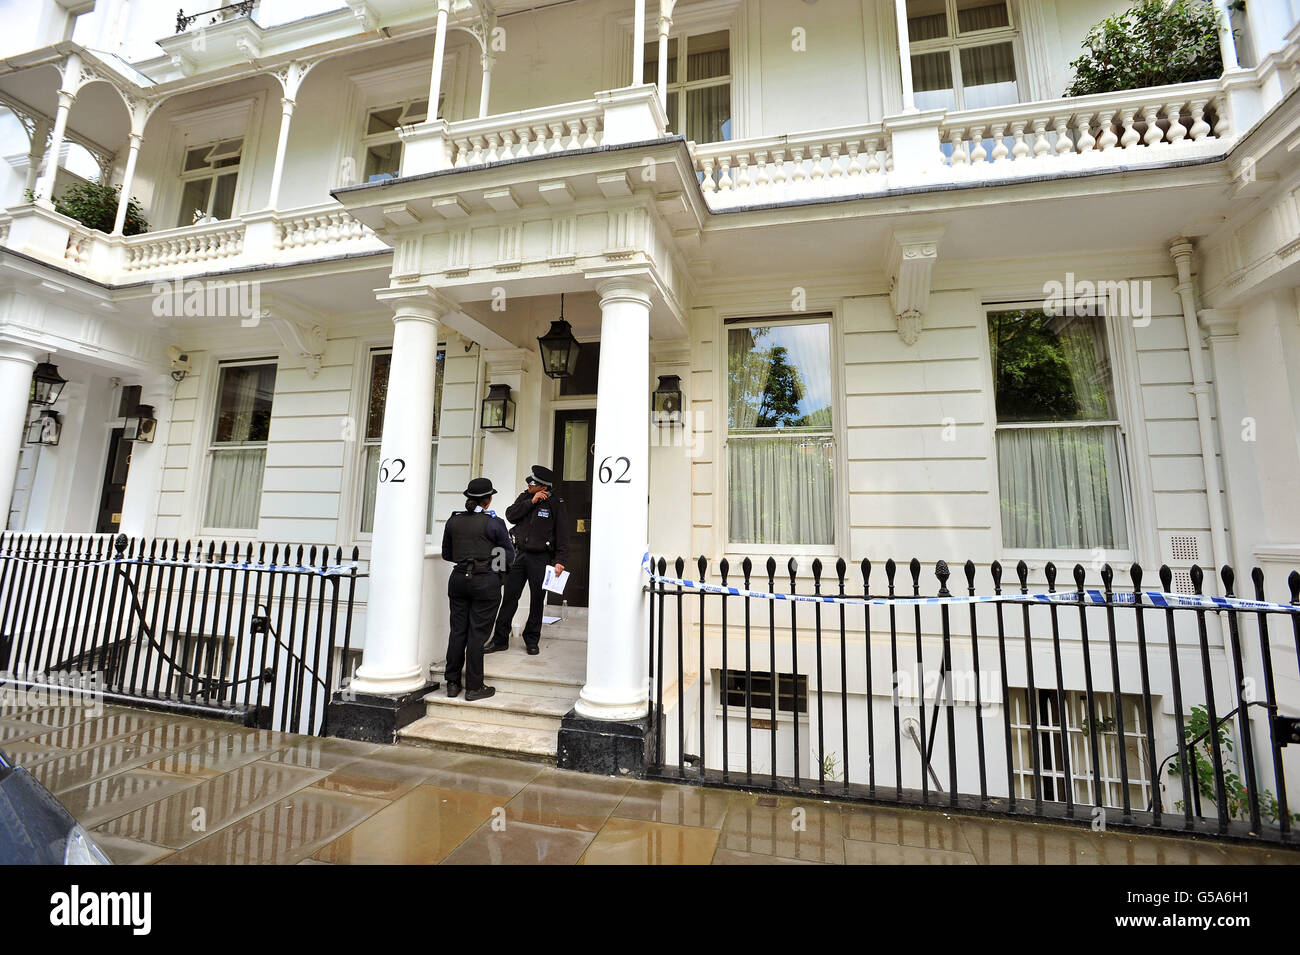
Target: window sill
1119 560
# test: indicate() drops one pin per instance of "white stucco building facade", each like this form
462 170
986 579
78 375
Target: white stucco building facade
363 215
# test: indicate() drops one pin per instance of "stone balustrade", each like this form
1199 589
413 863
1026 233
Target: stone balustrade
321 229
1147 125
1022 139
190 247
611 118
838 162
533 132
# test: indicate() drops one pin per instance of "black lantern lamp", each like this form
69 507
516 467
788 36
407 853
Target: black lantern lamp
47 384
560 349
498 410
667 401
141 425
46 429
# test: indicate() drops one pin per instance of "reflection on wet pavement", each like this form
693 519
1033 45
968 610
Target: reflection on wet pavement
162 788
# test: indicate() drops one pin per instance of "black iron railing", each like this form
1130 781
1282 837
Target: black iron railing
257 633
1135 707
216 15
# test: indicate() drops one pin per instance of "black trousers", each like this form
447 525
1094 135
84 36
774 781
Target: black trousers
530 567
474 602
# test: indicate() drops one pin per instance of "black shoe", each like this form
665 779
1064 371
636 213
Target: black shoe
495 647
533 650
482 693
453 690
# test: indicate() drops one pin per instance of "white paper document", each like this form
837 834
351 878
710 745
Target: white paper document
550 620
553 583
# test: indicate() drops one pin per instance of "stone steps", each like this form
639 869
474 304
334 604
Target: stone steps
533 694
503 709
519 742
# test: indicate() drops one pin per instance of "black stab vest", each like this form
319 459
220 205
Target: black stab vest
469 540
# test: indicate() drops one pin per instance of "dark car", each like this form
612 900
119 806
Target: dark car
35 828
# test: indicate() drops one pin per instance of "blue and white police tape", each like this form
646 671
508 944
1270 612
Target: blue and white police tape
64 563
1148 598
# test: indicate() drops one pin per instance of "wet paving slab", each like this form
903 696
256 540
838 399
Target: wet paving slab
158 788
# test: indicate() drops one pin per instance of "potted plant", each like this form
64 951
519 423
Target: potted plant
1153 43
94 205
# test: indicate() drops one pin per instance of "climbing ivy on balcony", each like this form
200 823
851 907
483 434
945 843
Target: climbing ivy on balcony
94 205
1153 43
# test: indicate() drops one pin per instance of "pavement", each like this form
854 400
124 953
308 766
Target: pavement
155 788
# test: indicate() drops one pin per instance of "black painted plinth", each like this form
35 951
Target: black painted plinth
374 717
605 747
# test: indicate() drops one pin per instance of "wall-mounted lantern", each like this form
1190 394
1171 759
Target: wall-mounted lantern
141 425
498 410
560 350
46 429
47 384
667 401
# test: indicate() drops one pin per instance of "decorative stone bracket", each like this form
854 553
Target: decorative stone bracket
909 263
302 338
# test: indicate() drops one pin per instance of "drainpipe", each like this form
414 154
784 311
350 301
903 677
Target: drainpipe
1181 250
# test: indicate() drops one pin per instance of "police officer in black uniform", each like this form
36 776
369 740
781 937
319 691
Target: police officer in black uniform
478 546
541 533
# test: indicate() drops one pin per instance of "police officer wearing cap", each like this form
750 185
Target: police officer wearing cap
478 546
541 533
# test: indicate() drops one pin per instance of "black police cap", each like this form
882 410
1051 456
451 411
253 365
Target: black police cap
480 487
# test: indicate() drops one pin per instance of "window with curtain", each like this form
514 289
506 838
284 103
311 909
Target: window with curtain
382 147
1059 445
963 53
376 395
242 424
780 444
699 84
209 175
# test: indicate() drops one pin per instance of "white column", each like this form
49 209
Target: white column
40 129
485 91
1227 42
638 42
277 173
45 185
16 367
905 56
133 153
665 27
391 660
616 687
144 479
439 51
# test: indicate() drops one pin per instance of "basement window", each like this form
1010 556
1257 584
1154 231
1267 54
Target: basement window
792 691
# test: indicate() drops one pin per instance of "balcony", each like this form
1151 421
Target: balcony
1063 139
256 239
1092 134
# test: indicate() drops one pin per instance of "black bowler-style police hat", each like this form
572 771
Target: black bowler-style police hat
480 487
542 476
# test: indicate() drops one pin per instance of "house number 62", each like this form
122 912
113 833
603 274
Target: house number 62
607 472
394 475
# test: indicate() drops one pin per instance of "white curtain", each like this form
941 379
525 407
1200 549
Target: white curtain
988 16
708 114
988 76
932 81
235 488
780 489
1061 488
